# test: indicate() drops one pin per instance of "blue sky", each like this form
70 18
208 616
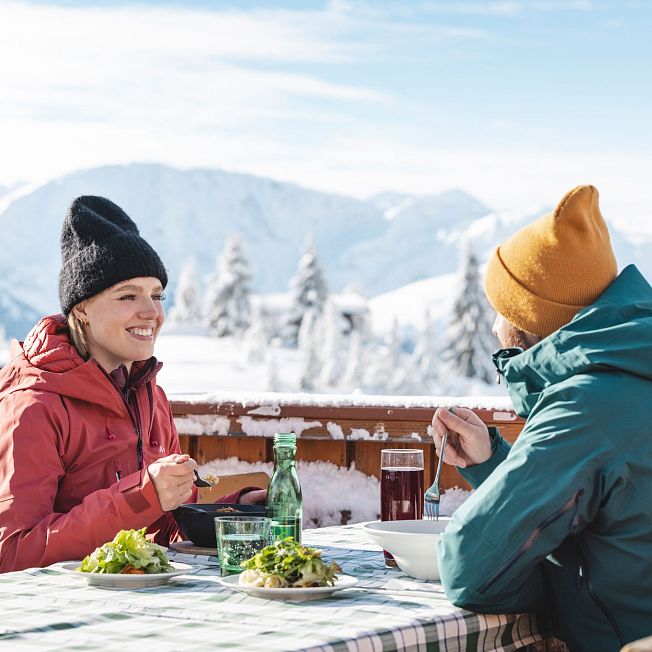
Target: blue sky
513 100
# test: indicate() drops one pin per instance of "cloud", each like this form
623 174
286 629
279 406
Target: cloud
515 181
315 97
64 53
117 78
502 7
413 10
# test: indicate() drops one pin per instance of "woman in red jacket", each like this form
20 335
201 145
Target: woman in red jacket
87 441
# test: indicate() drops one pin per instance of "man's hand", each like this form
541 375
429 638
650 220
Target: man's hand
172 478
468 441
253 497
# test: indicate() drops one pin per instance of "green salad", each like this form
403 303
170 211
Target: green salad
129 553
287 563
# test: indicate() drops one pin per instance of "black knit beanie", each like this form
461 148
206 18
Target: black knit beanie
101 246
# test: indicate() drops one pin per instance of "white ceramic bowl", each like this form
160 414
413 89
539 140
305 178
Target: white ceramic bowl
413 544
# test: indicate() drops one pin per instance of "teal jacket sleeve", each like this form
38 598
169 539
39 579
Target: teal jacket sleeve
477 474
491 553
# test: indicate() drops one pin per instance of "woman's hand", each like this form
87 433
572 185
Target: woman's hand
172 477
253 497
468 441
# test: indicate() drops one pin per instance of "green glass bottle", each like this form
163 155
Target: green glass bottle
284 502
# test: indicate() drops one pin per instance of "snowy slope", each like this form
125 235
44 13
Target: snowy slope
15 315
421 240
391 203
6 190
197 367
409 304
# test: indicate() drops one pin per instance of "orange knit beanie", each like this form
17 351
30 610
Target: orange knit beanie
549 270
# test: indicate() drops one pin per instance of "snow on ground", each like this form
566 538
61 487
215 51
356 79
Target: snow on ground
200 368
199 364
329 490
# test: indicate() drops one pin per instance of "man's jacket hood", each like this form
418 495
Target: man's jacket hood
621 317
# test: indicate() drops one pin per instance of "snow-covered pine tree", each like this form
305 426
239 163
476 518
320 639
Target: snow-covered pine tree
255 342
227 308
469 342
309 292
271 381
407 379
355 365
359 347
186 308
308 344
384 363
332 341
425 356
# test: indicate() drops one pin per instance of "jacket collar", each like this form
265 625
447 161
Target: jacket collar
142 372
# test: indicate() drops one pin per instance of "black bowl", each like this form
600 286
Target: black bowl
196 520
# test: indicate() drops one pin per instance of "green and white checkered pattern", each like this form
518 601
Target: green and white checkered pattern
44 610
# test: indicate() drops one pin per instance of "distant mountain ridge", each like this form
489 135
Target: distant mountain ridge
379 245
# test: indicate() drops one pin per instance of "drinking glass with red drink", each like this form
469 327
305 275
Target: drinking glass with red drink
401 487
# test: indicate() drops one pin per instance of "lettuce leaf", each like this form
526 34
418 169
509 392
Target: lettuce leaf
288 563
128 548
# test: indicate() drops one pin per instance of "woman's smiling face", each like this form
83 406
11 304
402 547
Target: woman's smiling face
123 321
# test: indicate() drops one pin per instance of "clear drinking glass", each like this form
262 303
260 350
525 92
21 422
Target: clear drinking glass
401 487
238 539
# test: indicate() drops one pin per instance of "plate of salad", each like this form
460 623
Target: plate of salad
286 570
130 561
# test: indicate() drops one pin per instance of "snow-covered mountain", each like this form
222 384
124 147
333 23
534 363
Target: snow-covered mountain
389 241
7 190
391 203
409 304
15 315
415 243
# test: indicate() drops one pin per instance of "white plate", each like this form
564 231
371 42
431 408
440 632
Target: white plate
309 593
118 581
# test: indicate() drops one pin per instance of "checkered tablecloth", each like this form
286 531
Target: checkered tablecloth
44 610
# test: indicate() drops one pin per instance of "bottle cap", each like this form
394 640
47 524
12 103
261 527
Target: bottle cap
285 439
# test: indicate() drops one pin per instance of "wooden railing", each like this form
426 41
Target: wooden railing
338 433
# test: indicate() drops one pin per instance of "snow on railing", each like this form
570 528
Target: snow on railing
268 403
330 416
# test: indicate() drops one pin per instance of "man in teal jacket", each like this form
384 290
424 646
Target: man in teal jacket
561 522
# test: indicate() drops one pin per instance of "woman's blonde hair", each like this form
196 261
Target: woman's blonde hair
78 335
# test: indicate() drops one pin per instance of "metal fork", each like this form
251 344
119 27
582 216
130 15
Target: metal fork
432 495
